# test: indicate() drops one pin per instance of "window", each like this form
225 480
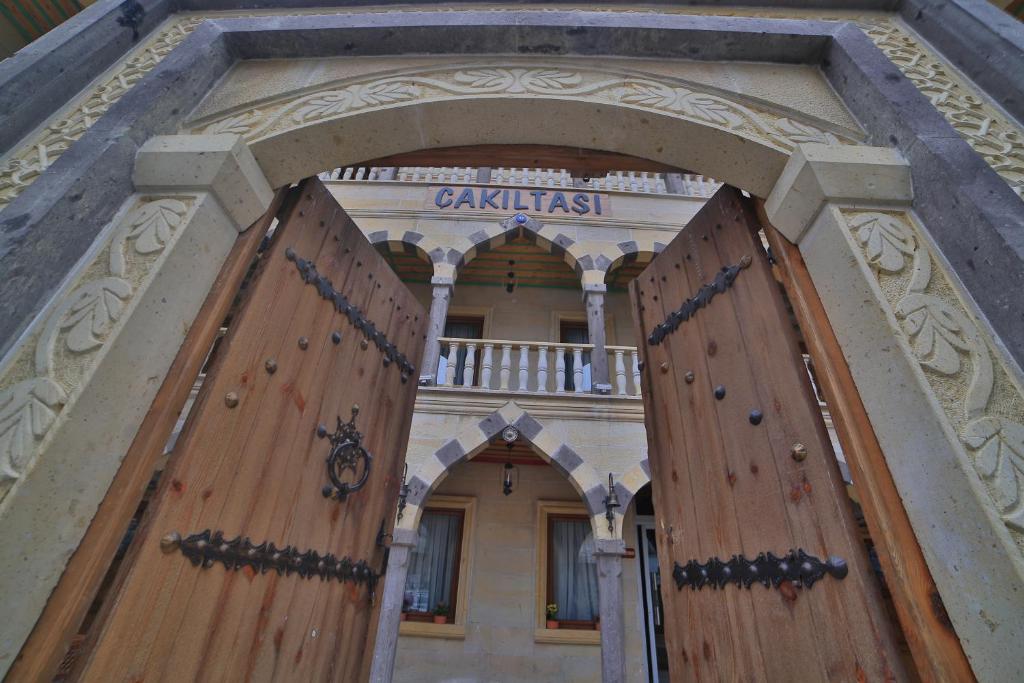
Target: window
567 575
462 327
575 332
438 569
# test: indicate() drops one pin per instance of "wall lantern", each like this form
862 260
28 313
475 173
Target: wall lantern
611 501
509 473
403 492
510 282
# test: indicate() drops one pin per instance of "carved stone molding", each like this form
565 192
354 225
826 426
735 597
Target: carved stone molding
994 136
524 80
979 395
42 377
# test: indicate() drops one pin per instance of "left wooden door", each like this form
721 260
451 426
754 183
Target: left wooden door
252 563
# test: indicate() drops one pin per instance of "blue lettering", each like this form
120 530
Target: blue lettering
444 197
597 204
537 194
519 206
504 199
465 197
558 200
487 197
581 203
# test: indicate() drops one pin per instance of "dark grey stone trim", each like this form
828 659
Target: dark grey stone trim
645 465
48 227
628 248
418 491
566 458
585 263
984 42
594 499
379 236
492 425
437 255
602 262
624 495
412 237
481 240
450 453
43 76
658 247
528 427
967 208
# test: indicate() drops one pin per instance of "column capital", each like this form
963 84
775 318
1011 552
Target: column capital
220 164
402 536
610 546
818 174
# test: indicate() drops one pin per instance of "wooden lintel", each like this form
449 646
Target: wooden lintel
575 159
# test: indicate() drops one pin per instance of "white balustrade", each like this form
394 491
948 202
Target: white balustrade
530 364
644 182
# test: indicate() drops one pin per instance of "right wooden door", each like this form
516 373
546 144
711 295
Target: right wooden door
764 574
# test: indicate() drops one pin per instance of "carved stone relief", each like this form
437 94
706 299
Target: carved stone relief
526 80
981 398
43 375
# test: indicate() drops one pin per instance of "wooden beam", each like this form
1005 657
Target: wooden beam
577 160
933 643
70 601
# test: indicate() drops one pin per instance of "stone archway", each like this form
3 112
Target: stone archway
846 206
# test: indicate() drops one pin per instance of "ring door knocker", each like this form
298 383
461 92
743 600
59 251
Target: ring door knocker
346 455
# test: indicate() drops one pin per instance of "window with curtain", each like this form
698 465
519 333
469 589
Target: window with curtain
572 569
575 333
460 328
434 562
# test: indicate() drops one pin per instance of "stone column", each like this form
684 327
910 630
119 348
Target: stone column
674 183
593 299
392 597
442 295
608 553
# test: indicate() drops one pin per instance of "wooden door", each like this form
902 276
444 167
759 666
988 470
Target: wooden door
741 465
326 325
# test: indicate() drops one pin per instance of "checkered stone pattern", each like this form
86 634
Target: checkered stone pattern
476 437
412 243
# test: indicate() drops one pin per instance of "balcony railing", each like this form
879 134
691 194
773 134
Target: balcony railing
689 184
541 367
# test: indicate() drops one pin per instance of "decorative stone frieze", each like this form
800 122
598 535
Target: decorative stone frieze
993 135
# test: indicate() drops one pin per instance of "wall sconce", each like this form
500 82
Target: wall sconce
509 473
403 491
611 501
510 283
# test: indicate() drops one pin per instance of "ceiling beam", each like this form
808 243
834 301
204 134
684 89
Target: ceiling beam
579 161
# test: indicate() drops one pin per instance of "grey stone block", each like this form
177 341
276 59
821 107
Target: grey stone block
528 427
450 453
492 425
566 459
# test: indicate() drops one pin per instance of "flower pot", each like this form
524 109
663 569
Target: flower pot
404 617
597 625
440 618
552 623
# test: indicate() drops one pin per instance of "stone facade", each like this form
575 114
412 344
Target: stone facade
832 116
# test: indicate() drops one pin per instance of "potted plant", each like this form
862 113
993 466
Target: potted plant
552 612
441 613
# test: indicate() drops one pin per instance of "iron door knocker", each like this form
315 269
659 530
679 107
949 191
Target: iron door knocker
346 454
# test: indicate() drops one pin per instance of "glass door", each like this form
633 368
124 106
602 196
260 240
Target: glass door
650 596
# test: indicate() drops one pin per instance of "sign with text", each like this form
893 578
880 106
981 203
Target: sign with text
551 201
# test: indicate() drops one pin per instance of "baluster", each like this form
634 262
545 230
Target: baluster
506 365
348 173
524 367
636 373
542 369
620 372
485 366
621 180
577 369
453 358
559 369
551 177
470 364
360 172
372 175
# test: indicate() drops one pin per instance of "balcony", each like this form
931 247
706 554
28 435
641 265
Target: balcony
532 367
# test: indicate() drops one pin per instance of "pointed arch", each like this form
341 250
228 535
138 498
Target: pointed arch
474 438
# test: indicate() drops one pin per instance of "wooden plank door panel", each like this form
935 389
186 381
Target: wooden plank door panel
727 401
250 463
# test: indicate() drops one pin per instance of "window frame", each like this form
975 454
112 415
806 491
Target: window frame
546 512
456 627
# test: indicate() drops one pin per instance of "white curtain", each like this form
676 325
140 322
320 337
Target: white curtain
432 562
458 330
575 574
576 335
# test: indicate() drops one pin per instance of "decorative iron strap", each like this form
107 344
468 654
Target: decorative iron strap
346 454
206 548
723 281
355 317
797 567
